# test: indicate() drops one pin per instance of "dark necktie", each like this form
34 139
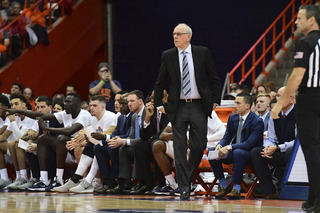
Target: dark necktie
239 130
186 86
158 122
137 127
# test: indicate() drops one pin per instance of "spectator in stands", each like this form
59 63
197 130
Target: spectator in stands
85 106
16 7
58 107
105 86
270 86
19 126
71 88
28 93
261 89
163 150
126 152
101 121
273 94
58 98
244 132
4 44
262 107
17 32
16 87
5 5
234 87
38 22
74 119
276 148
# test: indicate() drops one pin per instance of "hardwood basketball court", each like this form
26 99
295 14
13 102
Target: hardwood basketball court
68 202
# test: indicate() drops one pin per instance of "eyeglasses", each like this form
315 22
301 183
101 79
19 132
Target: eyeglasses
105 70
178 34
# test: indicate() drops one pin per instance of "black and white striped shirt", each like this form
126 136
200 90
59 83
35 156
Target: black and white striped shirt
308 56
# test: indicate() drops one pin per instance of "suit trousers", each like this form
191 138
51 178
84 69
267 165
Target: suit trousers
239 157
126 158
260 164
191 115
143 156
104 155
308 124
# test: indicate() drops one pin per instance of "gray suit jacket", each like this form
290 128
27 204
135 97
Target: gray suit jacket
134 140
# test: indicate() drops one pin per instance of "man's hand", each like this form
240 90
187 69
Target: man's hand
214 106
98 135
115 142
71 145
268 151
149 110
11 117
162 110
106 76
218 147
223 152
42 124
32 147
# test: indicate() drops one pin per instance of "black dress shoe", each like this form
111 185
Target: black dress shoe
185 195
305 206
117 190
139 191
134 188
313 209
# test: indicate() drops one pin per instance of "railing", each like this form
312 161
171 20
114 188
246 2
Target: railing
47 12
264 49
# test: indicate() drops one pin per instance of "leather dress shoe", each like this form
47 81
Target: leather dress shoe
234 194
273 196
305 205
134 188
120 189
142 190
313 209
184 195
224 191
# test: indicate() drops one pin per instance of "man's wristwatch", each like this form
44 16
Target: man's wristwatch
229 148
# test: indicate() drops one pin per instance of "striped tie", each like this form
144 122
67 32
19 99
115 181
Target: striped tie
186 87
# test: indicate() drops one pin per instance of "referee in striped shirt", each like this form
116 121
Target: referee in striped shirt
305 75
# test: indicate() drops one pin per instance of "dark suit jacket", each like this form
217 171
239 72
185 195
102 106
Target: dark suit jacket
134 140
123 126
150 132
251 135
207 79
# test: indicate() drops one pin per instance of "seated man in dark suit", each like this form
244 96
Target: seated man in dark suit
244 132
126 151
277 147
154 123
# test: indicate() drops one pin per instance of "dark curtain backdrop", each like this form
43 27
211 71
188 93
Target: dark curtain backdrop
143 29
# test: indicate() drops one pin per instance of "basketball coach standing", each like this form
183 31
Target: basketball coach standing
194 91
305 75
